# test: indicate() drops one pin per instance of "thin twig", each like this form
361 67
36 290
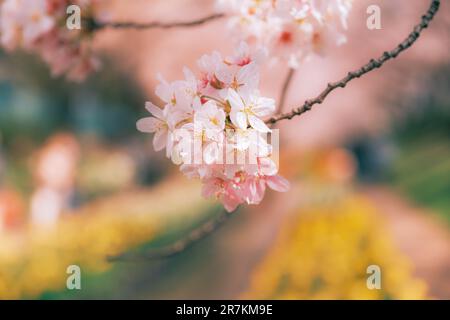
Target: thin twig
96 25
179 246
285 89
371 65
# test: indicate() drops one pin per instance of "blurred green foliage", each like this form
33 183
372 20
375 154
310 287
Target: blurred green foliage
421 166
34 106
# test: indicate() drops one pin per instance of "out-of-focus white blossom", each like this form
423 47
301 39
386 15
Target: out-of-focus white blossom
290 30
39 26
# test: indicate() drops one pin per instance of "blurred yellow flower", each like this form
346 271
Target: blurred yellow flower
36 261
324 254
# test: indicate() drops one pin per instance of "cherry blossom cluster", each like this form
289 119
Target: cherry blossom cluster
39 26
212 126
291 30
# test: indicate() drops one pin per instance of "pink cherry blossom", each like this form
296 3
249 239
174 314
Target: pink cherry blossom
159 124
249 109
211 118
212 127
39 27
224 191
290 30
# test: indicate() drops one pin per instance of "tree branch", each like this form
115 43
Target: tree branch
96 25
371 65
285 89
179 246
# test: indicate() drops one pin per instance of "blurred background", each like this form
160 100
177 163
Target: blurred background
369 170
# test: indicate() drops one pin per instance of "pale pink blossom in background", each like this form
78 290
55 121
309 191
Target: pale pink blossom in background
39 26
290 30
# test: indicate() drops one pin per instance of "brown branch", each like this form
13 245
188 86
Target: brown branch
96 25
285 89
371 65
179 246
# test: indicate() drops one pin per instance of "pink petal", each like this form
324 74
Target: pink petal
209 189
267 167
169 143
164 91
154 110
160 140
257 190
278 183
230 203
210 153
148 124
235 100
189 75
249 75
224 75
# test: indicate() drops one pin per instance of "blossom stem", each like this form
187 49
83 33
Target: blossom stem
179 246
97 25
371 65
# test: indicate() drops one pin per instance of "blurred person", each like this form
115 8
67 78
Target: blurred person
54 174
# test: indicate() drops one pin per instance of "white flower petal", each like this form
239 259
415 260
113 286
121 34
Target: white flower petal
249 75
278 183
235 100
148 124
264 107
160 140
257 124
189 75
154 110
243 49
164 90
211 153
239 119
224 74
170 141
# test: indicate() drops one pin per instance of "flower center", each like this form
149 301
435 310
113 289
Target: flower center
286 37
249 110
214 121
235 84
